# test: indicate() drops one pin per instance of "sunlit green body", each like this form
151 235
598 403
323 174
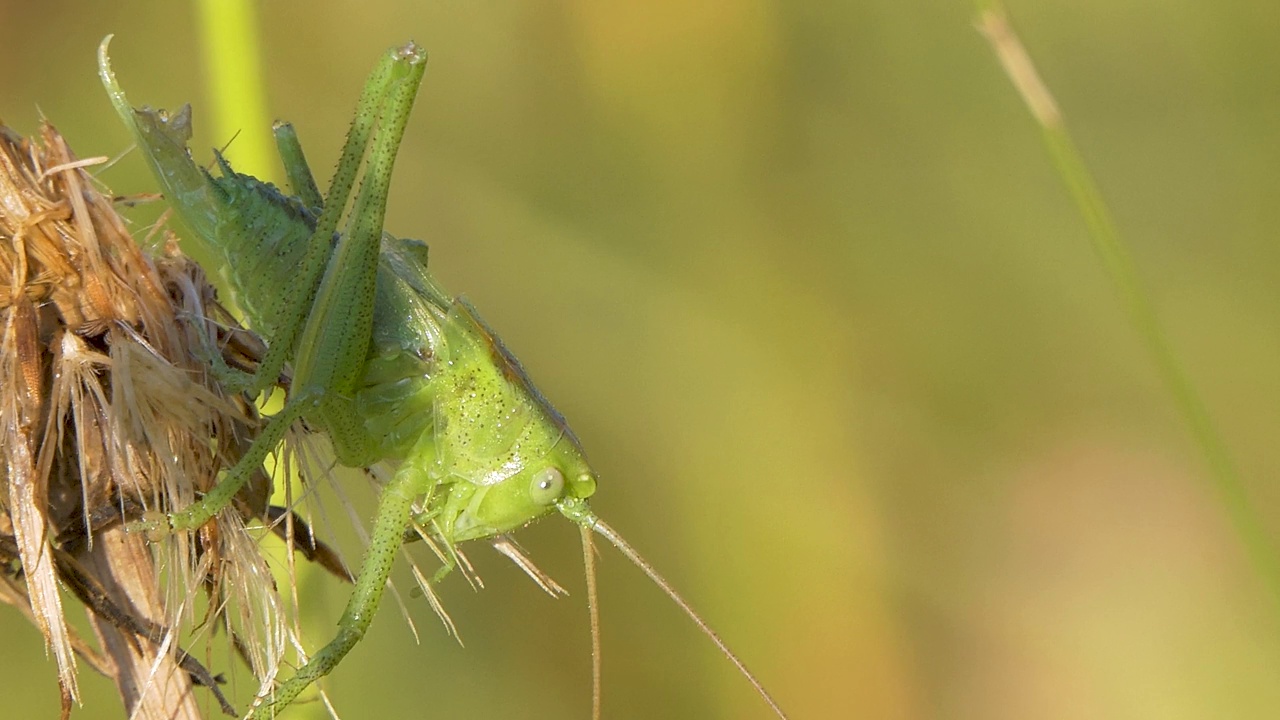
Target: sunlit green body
384 362
431 367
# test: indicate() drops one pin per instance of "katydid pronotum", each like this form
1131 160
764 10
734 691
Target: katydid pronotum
384 362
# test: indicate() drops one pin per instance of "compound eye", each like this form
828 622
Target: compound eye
548 486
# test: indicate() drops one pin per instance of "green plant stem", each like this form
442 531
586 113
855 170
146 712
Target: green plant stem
233 69
1120 268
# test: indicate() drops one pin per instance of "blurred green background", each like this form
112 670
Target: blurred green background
808 288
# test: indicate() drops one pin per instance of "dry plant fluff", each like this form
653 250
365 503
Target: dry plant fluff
106 410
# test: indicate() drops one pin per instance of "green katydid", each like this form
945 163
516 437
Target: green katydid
385 363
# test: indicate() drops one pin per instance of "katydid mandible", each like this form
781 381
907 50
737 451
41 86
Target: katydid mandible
385 363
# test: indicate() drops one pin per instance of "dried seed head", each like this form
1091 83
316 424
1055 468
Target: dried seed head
105 404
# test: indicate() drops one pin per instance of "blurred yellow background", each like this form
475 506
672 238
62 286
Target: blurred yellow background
806 285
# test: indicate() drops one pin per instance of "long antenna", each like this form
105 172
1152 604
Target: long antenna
593 608
608 533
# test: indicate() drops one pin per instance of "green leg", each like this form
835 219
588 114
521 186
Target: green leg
301 181
395 509
448 566
202 511
335 340
390 70
231 379
448 555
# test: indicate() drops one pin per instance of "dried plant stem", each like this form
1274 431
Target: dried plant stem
151 684
103 405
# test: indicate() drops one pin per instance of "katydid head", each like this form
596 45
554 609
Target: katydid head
515 455
543 484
